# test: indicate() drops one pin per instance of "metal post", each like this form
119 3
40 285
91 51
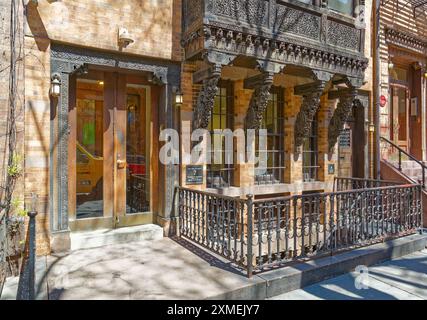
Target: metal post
249 203
400 160
26 286
32 255
424 177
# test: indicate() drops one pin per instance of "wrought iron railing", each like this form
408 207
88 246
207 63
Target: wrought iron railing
3 249
263 234
344 183
395 155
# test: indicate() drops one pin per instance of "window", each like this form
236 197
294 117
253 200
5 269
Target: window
221 175
343 6
273 122
309 154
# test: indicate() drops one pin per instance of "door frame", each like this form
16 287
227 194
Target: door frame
114 187
407 141
67 60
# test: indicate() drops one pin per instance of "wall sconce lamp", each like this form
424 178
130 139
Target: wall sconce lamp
179 97
55 85
390 65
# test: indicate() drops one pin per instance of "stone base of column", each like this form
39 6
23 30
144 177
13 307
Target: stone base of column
169 225
60 242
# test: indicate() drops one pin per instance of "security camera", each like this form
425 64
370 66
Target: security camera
125 38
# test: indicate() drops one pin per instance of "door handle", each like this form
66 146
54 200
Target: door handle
121 164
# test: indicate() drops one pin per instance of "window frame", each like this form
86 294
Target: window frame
275 173
225 172
312 151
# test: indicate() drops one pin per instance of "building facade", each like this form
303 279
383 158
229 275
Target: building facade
97 83
403 53
300 70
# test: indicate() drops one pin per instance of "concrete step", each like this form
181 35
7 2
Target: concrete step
99 238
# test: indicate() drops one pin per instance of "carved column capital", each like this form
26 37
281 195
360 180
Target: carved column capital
205 100
261 84
341 114
311 101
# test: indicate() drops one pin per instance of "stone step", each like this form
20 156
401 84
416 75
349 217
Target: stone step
100 238
415 172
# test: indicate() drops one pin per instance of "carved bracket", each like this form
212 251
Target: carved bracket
341 114
261 84
311 101
205 100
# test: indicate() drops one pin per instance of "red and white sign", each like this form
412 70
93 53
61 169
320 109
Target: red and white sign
383 101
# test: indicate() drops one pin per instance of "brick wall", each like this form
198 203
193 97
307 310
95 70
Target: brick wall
6 79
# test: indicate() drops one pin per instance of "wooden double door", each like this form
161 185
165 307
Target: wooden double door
111 167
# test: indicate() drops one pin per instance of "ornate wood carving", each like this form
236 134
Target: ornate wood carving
205 100
311 100
259 100
341 115
266 29
275 49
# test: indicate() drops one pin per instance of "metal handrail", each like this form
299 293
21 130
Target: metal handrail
423 166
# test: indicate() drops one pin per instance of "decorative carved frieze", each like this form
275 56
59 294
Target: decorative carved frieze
341 114
261 84
406 41
286 52
343 36
297 22
311 101
205 100
253 12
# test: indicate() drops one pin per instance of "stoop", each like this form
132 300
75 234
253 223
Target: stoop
99 238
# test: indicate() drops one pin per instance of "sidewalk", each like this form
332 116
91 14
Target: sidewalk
403 279
161 269
167 269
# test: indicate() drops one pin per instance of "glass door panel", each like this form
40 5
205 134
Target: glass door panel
89 148
137 149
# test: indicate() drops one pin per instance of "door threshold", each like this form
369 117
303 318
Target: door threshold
104 237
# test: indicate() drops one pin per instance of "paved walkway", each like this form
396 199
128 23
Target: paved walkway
161 269
166 269
404 279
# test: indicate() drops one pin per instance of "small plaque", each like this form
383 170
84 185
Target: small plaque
331 169
194 175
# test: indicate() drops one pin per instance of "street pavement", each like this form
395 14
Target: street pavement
402 279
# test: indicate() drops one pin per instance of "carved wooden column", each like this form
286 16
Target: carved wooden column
261 84
311 100
341 113
205 100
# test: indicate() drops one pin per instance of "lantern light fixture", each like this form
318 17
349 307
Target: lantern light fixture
179 97
55 85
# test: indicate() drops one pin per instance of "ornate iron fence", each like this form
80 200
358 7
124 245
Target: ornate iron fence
263 234
344 183
3 249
